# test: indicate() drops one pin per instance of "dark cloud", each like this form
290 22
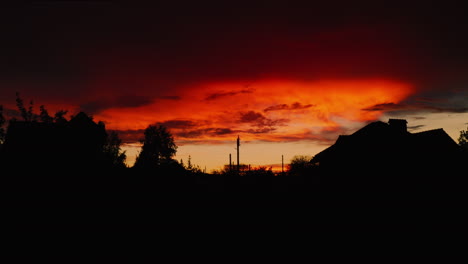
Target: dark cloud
67 51
418 106
276 107
187 134
94 107
259 120
214 96
217 40
222 131
179 124
132 101
97 106
130 136
190 128
294 106
263 130
384 107
251 117
448 100
416 127
204 132
190 133
450 109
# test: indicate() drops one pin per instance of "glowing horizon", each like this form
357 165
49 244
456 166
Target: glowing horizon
265 111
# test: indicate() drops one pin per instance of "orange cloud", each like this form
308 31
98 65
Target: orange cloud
269 110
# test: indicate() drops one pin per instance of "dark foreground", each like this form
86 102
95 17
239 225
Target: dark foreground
219 214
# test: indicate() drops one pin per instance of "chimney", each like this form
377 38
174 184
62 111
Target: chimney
398 125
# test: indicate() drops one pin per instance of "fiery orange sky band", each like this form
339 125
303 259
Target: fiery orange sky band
279 111
288 78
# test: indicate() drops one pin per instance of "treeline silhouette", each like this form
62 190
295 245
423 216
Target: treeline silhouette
44 153
68 177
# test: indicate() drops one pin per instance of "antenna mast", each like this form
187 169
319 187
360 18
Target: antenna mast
238 145
282 164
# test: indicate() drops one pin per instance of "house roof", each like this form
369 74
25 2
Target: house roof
373 128
379 138
435 137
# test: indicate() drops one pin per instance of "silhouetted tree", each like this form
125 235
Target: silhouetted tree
113 152
2 129
158 147
28 114
463 139
44 115
32 116
60 116
300 165
194 169
189 163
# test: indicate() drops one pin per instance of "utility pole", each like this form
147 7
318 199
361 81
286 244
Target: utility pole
282 164
230 162
238 145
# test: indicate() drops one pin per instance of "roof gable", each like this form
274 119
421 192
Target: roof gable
379 138
435 137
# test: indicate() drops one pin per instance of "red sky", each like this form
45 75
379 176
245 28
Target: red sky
288 77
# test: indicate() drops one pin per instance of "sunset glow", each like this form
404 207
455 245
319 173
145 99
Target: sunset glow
262 105
288 79
267 111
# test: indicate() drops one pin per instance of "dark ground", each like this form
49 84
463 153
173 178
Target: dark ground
186 216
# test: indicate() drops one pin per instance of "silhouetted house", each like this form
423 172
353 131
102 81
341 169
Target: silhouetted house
77 143
386 153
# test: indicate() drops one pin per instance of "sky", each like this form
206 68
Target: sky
288 77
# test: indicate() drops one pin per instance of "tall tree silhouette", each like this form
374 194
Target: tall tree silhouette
158 147
2 129
28 114
113 152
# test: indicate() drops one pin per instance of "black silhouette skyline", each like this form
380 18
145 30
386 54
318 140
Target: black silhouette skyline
76 166
126 104
298 73
379 156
